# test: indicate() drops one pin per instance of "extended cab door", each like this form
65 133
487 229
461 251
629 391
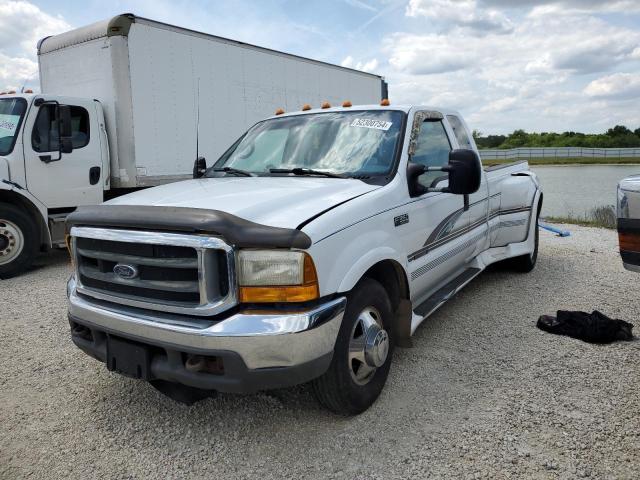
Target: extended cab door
68 179
438 241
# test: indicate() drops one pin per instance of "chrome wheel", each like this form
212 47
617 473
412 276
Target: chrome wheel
11 241
368 346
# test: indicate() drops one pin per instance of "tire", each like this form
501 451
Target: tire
526 263
351 384
19 240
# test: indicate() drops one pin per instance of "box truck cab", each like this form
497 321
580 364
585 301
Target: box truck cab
128 103
53 158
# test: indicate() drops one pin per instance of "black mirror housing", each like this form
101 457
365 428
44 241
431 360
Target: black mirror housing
66 145
465 172
199 167
64 118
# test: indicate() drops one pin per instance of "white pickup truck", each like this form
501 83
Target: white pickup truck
319 241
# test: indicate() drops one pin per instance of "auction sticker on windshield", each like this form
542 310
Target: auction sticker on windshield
375 124
8 124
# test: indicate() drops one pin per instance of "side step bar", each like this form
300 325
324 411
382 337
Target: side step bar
446 292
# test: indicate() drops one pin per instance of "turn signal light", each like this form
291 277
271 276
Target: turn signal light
326 105
306 107
346 104
309 290
279 111
385 102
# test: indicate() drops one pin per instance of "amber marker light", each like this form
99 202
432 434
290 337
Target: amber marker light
304 292
279 111
347 104
67 240
326 105
306 107
385 102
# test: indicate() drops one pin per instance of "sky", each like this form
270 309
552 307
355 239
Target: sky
545 65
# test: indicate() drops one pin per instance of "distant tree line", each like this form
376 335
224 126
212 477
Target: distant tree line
616 137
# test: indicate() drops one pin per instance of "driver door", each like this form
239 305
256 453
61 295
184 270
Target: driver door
77 177
436 245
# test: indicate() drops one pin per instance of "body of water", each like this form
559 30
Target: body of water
573 190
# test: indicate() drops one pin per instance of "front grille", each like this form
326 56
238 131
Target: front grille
188 274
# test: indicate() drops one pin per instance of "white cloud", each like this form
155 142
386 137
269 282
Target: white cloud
365 66
618 85
462 13
534 77
22 24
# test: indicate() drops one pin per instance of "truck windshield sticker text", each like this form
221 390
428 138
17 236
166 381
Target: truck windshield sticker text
8 124
375 124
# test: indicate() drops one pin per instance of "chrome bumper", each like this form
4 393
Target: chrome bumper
261 339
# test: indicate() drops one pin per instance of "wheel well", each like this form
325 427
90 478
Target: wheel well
391 276
12 198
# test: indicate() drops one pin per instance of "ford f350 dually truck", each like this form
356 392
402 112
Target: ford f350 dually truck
629 222
319 241
121 106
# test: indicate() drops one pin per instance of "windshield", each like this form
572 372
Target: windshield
11 113
356 144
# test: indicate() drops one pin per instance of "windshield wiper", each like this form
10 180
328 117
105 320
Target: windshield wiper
305 171
237 171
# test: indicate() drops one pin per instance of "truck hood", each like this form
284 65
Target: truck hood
276 201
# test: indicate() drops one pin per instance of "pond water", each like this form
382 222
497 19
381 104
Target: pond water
573 190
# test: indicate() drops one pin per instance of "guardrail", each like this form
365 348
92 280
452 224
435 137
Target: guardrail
559 152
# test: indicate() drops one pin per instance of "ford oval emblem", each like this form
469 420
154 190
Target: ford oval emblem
125 271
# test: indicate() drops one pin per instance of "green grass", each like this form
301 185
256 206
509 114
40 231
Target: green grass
567 161
600 217
578 221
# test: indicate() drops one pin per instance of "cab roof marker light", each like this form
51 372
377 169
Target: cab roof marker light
11 92
279 111
347 104
306 107
385 102
28 91
325 105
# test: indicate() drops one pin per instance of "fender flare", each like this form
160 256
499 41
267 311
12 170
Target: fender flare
15 195
365 262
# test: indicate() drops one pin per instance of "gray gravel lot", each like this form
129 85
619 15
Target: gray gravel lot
482 394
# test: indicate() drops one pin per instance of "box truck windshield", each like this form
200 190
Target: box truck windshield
348 143
11 114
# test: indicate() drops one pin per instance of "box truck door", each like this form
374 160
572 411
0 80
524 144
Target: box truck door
57 179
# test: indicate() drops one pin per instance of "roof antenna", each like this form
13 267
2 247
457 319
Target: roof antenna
198 120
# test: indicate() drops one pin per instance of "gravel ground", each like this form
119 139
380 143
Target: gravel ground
482 394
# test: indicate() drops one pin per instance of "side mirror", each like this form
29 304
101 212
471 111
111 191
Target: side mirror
465 172
199 167
64 121
464 169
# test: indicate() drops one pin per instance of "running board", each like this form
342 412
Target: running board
446 292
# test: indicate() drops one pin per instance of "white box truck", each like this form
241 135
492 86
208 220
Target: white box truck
128 103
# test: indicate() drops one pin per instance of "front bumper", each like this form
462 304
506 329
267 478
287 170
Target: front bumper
259 350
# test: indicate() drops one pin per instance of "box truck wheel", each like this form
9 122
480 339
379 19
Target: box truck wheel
362 354
18 240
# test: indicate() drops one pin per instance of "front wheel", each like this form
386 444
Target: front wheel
18 240
362 354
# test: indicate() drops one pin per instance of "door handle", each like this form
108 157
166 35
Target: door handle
94 175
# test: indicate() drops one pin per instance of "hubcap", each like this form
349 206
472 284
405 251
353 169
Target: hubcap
368 346
11 241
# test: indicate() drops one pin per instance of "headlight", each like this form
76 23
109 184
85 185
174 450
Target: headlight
276 276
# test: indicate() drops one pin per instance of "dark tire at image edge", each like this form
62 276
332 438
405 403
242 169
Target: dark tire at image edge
351 384
18 240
